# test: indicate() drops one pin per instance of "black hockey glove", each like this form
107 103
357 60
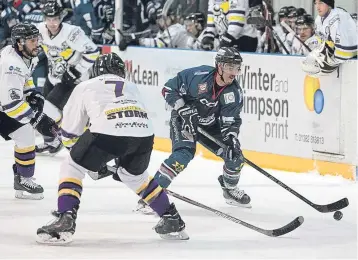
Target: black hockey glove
71 75
190 119
227 40
36 101
128 40
44 125
207 43
232 156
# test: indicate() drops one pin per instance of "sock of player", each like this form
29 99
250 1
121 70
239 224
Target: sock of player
25 161
147 188
172 166
70 185
69 194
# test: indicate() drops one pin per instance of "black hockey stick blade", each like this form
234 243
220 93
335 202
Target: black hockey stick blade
271 233
338 205
102 173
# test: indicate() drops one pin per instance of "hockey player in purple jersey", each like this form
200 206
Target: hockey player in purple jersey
209 97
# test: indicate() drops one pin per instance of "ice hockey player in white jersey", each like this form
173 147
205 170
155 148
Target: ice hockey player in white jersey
21 107
195 25
263 44
337 36
305 30
120 128
70 54
228 20
171 34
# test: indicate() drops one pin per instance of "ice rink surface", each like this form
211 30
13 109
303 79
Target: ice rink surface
108 229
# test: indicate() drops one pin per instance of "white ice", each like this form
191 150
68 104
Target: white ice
107 227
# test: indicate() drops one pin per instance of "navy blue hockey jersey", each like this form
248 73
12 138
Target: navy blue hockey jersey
197 86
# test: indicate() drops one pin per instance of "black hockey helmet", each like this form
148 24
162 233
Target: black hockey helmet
23 31
109 63
161 14
197 18
291 8
300 12
228 55
283 12
305 19
52 9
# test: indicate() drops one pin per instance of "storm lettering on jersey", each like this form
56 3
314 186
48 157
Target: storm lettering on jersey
127 113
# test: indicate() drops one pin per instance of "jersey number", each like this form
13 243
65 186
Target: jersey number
118 89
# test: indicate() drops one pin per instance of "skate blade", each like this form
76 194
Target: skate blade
20 194
47 154
237 204
47 239
145 211
182 235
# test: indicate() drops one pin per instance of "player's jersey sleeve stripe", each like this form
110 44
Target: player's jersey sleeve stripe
19 110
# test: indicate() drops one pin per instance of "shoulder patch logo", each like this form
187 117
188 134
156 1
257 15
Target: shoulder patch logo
229 97
14 93
202 88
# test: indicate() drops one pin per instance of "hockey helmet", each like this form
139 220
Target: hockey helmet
109 63
197 18
52 9
228 55
291 8
305 19
354 16
23 31
283 13
300 11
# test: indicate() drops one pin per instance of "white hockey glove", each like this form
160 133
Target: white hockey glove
220 20
320 62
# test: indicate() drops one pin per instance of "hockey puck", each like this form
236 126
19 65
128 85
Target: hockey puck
338 215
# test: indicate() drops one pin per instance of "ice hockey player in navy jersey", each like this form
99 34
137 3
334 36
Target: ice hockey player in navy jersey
211 98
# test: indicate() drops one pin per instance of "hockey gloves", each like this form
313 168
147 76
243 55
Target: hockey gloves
71 75
320 61
234 160
190 119
128 39
207 43
44 125
227 40
36 101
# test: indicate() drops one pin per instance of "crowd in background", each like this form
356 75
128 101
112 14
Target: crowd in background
180 25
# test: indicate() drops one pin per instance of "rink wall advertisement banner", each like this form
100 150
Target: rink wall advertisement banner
285 112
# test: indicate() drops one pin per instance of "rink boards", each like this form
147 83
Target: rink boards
290 121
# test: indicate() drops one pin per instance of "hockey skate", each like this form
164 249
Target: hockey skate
26 188
143 208
171 226
60 231
235 196
49 148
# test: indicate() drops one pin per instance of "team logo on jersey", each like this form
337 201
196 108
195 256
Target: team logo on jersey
202 88
178 167
181 90
15 94
229 97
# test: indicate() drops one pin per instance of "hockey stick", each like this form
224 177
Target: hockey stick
124 34
261 21
271 233
340 204
166 8
289 29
